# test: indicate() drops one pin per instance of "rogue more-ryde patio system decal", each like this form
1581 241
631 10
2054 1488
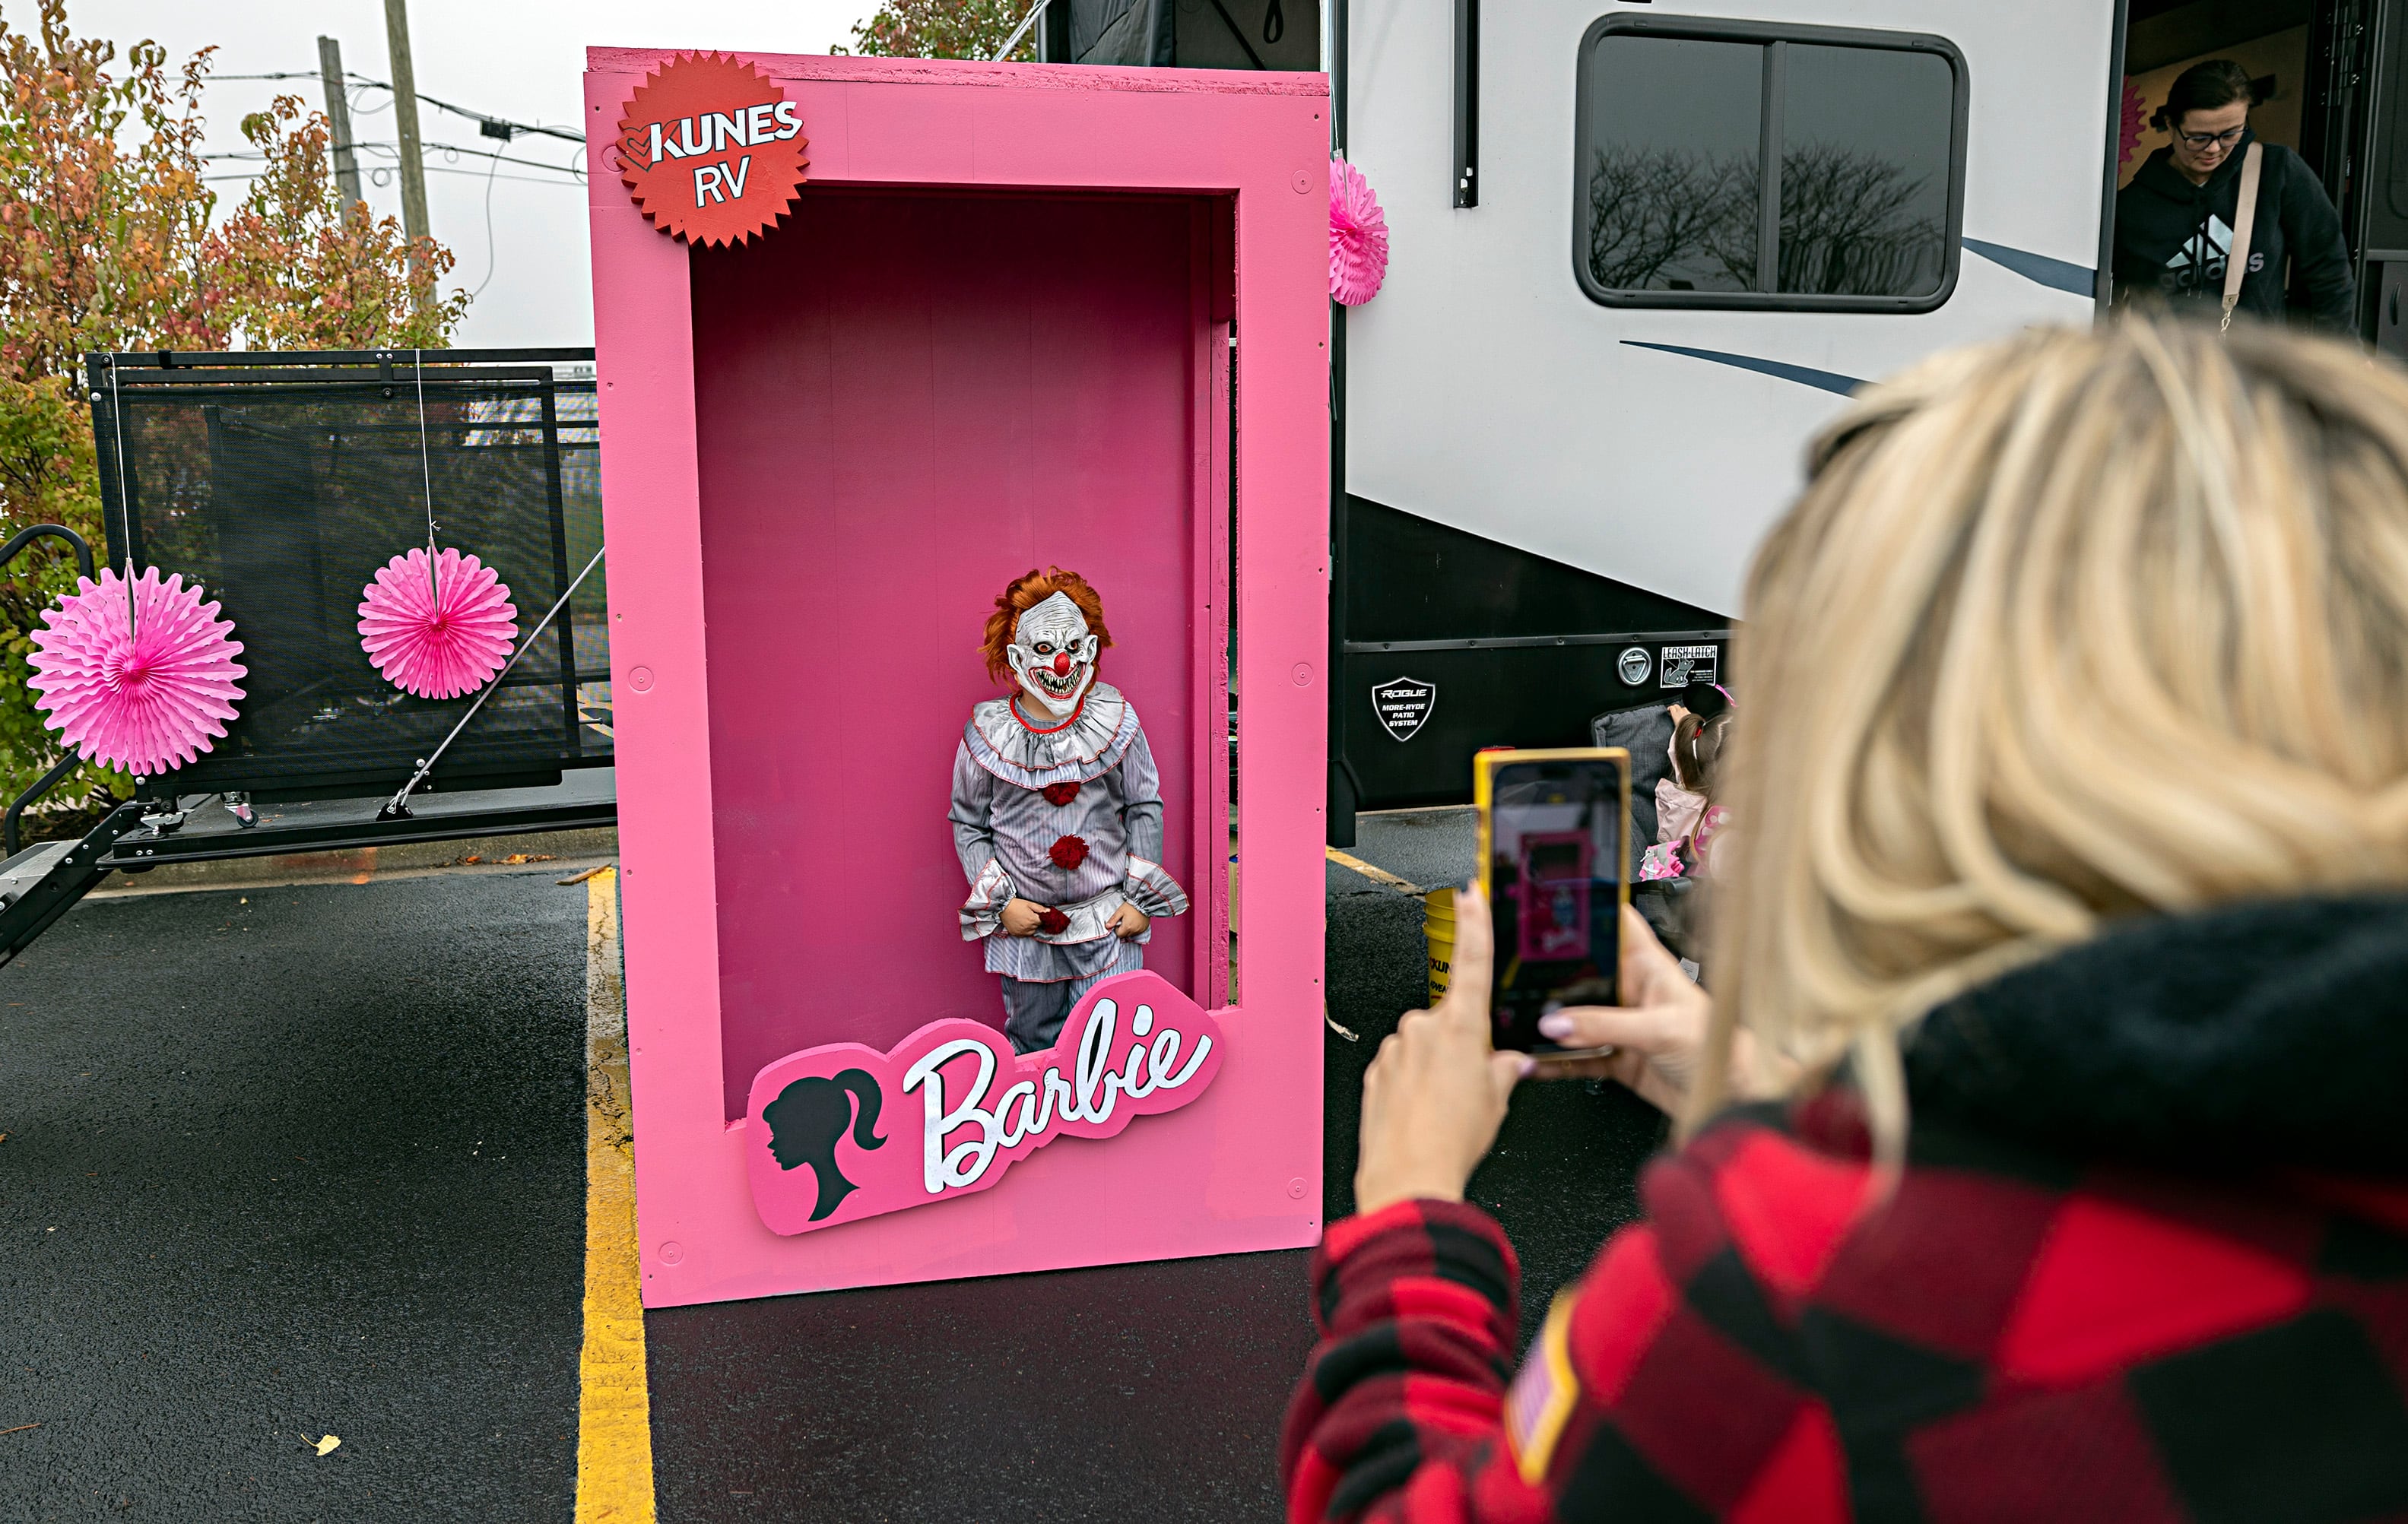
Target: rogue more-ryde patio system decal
711 150
1403 705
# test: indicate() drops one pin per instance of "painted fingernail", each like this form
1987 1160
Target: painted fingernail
1554 1024
1529 1066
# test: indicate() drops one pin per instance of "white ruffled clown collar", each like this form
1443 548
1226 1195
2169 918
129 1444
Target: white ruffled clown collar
1087 745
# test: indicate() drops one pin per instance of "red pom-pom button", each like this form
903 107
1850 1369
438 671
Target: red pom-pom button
1051 921
1068 852
1060 793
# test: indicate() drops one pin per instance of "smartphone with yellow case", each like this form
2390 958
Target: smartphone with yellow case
1555 854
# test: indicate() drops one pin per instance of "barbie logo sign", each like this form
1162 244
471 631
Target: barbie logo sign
834 1134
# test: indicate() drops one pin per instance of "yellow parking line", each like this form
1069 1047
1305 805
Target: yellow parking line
1377 876
614 1423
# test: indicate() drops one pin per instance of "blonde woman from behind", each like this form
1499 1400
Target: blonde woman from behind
2064 933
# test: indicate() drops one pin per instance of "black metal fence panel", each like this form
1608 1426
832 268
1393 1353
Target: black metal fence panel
282 489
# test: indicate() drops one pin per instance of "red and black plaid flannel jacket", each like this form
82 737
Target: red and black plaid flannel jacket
2017 1333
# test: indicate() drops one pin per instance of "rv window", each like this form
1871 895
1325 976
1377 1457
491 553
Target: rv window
1866 131
1864 171
1674 125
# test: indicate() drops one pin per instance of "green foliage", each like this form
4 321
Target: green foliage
46 476
945 29
109 239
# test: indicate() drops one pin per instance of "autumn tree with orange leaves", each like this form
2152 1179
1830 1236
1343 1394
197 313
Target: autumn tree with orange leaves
111 238
295 267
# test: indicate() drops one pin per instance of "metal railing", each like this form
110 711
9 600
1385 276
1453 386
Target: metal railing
70 763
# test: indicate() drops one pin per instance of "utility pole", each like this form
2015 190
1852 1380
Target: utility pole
404 118
338 119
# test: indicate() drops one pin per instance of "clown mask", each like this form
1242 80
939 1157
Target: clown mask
1053 655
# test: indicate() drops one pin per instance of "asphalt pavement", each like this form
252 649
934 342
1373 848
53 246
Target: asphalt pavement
282 1163
294 1162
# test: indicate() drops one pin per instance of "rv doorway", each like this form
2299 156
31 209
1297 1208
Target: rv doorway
2327 78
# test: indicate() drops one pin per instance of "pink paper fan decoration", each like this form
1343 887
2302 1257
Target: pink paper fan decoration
1358 237
437 649
145 695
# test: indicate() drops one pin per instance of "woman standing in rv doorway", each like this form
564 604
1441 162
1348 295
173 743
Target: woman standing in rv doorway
2174 222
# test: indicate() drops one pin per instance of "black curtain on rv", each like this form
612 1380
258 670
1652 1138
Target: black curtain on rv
1127 32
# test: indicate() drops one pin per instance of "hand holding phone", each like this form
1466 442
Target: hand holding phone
1436 1093
1653 1042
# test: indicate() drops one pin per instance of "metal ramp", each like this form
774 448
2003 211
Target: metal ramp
38 884
582 799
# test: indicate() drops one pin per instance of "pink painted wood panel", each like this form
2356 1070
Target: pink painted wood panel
904 401
876 388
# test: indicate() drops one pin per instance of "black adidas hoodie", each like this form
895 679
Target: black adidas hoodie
2170 237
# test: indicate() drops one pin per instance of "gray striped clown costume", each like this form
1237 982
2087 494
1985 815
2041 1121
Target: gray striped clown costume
1067 813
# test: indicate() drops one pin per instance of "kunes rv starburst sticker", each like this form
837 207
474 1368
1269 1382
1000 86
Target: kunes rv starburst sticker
711 150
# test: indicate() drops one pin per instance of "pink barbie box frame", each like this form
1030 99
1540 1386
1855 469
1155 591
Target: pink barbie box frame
994 332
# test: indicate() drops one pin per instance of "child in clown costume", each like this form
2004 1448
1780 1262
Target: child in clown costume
1056 812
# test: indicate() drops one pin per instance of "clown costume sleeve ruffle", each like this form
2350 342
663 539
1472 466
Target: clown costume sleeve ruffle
1069 818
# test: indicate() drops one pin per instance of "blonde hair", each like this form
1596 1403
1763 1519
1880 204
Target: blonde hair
2078 625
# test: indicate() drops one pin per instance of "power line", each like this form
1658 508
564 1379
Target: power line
391 149
569 170
490 126
432 169
487 126
490 171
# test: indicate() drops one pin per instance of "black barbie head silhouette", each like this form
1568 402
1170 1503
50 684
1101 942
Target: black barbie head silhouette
806 1121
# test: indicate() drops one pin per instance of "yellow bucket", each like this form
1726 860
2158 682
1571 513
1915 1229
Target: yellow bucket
1437 929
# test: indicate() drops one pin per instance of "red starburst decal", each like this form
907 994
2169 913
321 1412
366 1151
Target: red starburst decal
710 150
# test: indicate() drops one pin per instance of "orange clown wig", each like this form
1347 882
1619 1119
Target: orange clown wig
1025 593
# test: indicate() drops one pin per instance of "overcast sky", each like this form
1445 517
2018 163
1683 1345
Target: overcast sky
519 59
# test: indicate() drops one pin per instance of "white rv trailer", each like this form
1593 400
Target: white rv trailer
1605 336
1650 440
1643 248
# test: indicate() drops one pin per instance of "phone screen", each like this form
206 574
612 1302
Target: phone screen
1553 827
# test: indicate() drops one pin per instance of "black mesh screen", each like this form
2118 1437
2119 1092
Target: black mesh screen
282 494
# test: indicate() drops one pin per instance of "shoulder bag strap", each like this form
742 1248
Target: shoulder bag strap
2236 264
